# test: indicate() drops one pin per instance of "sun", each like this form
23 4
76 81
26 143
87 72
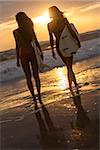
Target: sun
43 19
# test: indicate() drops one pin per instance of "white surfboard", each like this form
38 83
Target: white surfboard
67 44
41 65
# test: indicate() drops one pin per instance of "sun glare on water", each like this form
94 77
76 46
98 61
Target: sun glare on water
43 19
62 82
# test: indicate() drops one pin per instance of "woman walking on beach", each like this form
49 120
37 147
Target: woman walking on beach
55 27
25 52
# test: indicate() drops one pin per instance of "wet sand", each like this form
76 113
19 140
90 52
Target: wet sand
64 123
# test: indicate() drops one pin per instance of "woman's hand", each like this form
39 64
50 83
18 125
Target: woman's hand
18 63
54 55
79 44
41 54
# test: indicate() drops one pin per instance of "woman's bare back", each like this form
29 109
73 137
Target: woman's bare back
24 47
56 27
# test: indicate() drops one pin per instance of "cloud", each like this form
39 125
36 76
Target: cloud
91 7
67 12
8 24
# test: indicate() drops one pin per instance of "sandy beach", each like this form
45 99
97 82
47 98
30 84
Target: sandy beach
64 122
57 126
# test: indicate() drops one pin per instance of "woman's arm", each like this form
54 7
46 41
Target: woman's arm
37 43
51 41
17 49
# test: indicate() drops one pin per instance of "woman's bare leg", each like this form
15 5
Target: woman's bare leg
27 71
70 82
71 75
37 81
38 86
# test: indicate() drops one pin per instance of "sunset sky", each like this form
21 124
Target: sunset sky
84 14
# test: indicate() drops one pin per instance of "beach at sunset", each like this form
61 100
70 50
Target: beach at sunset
65 122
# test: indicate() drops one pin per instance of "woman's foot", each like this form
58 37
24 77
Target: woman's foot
72 93
77 89
35 103
71 90
41 103
36 106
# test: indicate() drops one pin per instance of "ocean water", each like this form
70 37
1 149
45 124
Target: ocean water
9 70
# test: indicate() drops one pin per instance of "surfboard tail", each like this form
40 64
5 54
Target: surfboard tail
43 66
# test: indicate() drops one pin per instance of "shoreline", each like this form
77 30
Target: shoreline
84 36
9 70
23 77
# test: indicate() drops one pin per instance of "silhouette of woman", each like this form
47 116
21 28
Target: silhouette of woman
55 27
25 52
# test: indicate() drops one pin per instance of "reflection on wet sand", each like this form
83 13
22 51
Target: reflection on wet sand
82 118
51 137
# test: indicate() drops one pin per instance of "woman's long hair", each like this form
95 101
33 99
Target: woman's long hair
25 26
55 13
58 16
